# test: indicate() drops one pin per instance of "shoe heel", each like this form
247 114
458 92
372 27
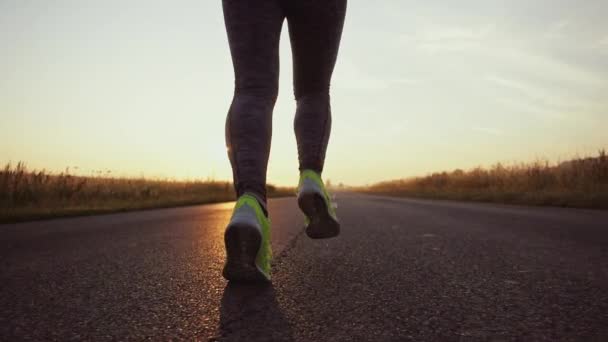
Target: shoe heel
321 224
243 242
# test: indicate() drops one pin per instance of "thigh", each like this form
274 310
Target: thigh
315 29
254 30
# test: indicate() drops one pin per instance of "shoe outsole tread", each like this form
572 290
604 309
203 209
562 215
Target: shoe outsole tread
243 242
321 225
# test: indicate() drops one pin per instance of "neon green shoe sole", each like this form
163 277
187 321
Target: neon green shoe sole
315 202
247 241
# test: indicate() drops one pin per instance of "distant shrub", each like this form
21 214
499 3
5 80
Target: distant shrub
30 193
580 182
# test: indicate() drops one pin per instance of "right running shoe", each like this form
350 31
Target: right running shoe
315 202
247 240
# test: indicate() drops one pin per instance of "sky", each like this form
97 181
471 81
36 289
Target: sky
142 87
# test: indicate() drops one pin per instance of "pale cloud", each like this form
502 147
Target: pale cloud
602 45
353 77
437 38
517 85
454 33
539 64
406 81
545 101
487 130
517 106
557 30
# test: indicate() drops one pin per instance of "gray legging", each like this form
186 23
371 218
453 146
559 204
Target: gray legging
254 28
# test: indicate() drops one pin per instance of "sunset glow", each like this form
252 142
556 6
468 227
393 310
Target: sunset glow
142 88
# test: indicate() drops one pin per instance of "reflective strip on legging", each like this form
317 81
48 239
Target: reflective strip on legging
254 29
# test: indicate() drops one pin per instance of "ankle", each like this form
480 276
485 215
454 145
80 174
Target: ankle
261 201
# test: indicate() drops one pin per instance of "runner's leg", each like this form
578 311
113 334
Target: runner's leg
315 29
254 29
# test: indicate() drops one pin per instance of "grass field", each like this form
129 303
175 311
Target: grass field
580 182
29 194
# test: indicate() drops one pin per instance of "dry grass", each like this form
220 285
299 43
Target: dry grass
26 195
580 182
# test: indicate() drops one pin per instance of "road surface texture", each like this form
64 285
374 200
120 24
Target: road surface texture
401 270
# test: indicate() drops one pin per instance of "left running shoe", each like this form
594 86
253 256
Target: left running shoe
247 239
315 202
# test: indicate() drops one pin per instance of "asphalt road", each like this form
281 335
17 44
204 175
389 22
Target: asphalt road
401 270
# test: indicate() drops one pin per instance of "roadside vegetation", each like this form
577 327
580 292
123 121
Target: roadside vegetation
30 194
580 182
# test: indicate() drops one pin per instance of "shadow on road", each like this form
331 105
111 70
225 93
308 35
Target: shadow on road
252 313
